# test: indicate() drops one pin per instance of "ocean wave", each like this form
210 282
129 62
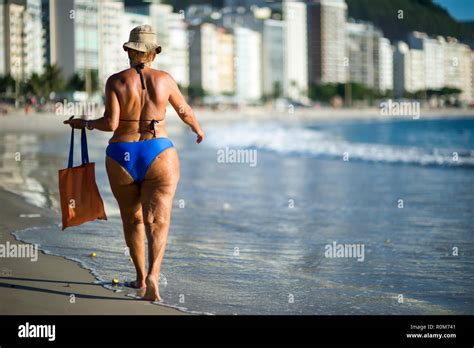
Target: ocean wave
297 140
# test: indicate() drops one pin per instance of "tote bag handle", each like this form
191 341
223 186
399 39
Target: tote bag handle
84 152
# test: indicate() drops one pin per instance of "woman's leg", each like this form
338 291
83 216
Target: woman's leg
128 197
157 192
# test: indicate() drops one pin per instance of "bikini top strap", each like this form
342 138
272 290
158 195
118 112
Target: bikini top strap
139 67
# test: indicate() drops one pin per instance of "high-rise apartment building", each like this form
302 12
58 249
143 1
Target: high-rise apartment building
225 61
361 45
178 47
3 49
248 72
21 38
409 73
74 38
457 67
112 58
383 65
433 49
203 72
295 50
326 41
273 59
446 63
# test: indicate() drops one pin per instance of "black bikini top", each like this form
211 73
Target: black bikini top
139 67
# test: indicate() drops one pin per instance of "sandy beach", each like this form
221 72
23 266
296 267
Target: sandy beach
45 286
17 121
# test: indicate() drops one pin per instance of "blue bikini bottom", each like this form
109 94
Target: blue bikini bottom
136 157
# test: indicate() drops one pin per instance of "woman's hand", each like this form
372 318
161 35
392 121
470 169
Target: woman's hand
200 136
78 123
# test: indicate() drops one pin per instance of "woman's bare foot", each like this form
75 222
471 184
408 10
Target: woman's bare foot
151 293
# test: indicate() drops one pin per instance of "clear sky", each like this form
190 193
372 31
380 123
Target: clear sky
459 9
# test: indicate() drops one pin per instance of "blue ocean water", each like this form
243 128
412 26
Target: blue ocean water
251 239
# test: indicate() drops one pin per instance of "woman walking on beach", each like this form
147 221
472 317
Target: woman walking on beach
142 163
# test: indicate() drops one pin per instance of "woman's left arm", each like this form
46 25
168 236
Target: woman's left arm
109 122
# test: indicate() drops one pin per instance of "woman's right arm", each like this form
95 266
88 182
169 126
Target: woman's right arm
183 109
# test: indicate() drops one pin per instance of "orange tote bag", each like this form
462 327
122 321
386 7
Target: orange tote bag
80 197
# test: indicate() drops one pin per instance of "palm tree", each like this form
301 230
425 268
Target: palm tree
52 79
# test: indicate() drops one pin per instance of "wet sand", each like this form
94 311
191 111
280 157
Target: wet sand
45 286
49 122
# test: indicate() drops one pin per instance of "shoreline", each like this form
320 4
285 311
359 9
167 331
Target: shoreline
326 114
44 287
17 121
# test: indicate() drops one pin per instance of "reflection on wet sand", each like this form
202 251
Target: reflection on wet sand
23 169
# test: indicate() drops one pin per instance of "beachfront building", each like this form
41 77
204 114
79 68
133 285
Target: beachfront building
225 61
179 49
111 34
13 40
3 68
446 63
417 77
457 67
472 77
46 37
92 32
467 68
370 56
248 71
32 38
74 39
21 38
361 43
400 68
383 65
434 64
326 41
408 70
295 50
159 15
273 58
203 72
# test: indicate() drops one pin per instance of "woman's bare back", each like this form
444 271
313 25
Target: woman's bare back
141 104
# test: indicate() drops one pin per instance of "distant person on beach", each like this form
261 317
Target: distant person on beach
142 163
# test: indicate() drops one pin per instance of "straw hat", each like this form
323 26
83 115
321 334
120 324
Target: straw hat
143 39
